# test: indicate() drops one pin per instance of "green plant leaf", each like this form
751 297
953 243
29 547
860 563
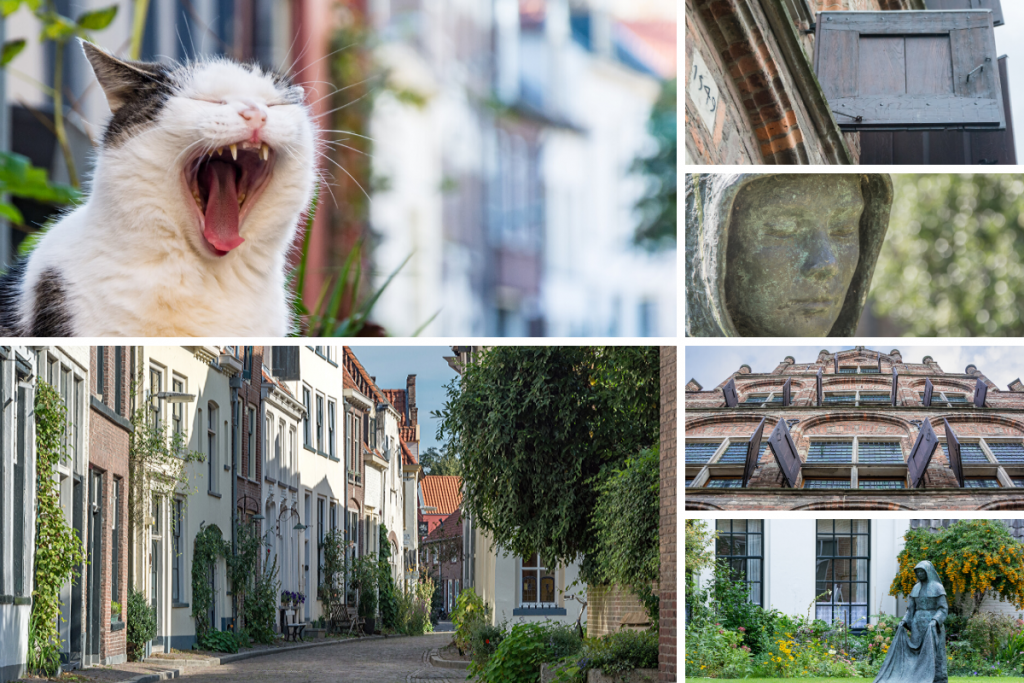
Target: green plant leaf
9 7
98 19
11 50
57 28
11 213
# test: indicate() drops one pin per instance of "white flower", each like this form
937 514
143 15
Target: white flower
831 652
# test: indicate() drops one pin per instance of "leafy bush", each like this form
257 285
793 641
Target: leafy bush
624 651
218 641
141 624
484 639
563 641
260 607
517 658
386 583
716 652
412 615
470 613
989 633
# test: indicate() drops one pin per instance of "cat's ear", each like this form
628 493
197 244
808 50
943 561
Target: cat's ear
120 79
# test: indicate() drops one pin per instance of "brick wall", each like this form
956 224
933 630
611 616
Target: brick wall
667 527
606 607
108 453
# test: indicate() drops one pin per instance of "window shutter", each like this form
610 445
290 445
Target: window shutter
910 70
821 394
953 449
787 392
753 449
980 391
731 398
835 363
994 5
785 453
929 389
879 362
285 363
895 387
921 453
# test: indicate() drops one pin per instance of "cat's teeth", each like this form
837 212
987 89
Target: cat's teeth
264 152
220 150
234 152
241 198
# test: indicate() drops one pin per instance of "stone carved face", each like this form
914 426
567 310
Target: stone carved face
922 575
793 247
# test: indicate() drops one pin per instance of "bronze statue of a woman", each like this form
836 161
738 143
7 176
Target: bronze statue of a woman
918 650
781 254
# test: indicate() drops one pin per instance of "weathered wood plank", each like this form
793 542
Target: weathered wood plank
996 147
876 147
905 23
994 5
929 65
973 48
882 66
838 67
919 109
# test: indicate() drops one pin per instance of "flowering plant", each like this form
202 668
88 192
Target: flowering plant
292 598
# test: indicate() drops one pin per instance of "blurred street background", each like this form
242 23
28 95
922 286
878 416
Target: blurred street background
511 163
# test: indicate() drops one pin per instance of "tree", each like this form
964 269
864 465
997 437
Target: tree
950 265
658 207
538 429
700 554
438 463
972 557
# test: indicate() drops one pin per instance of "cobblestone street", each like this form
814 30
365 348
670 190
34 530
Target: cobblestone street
388 660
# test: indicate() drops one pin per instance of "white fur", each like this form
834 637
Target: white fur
132 259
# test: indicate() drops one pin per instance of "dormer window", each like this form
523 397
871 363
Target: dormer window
857 398
947 399
761 400
858 370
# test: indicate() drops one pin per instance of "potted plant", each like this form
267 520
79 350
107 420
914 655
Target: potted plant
115 610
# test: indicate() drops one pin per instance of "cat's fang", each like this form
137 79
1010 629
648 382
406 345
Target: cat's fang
234 152
220 150
264 152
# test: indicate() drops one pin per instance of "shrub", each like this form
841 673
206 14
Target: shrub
483 640
218 641
713 651
141 624
989 633
470 613
517 658
260 607
624 651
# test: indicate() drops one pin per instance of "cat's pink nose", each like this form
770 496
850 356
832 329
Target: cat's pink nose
256 117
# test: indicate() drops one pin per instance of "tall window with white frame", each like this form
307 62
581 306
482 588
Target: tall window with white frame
115 548
331 409
177 408
319 424
537 582
307 418
843 555
211 445
740 543
176 559
292 466
250 462
118 379
101 358
348 441
156 385
270 468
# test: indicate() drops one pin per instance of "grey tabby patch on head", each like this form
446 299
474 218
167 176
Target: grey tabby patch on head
201 180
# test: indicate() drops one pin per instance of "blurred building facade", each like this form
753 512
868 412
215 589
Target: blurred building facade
507 177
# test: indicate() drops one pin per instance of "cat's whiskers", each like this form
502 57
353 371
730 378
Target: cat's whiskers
345 171
347 132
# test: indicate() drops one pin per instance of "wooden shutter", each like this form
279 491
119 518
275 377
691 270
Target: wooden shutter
785 453
821 394
787 392
285 363
994 5
835 361
879 362
921 453
929 389
953 450
895 387
732 399
910 70
753 450
980 391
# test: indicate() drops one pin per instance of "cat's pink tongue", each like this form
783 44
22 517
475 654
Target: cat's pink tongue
221 206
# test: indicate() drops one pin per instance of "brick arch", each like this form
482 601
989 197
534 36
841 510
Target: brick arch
1015 503
734 33
772 384
733 418
961 418
800 429
697 505
849 505
940 384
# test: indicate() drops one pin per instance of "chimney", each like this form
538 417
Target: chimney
410 392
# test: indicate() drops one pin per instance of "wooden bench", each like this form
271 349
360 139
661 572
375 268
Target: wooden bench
294 631
348 616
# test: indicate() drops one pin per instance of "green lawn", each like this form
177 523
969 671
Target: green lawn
952 679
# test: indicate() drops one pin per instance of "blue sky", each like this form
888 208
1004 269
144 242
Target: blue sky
392 364
1009 43
710 365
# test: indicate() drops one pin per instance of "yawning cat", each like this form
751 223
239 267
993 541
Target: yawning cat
200 181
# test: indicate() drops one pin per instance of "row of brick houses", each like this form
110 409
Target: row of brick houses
297 441
855 429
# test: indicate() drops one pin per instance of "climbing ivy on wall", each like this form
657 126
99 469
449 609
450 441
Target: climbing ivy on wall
210 545
59 550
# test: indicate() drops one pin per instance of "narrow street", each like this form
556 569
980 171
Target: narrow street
387 660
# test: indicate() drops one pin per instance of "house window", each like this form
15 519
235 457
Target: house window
735 454
177 409
843 551
758 400
269 456
307 429
537 582
840 399
118 379
101 385
1018 482
1007 453
319 423
724 483
321 506
826 483
840 452
115 548
292 469
881 484
211 445
981 483
349 461
250 462
946 399
858 370
740 544
700 453
156 385
331 409
879 452
971 453
176 553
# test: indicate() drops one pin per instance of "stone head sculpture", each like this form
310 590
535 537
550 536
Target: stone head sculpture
781 255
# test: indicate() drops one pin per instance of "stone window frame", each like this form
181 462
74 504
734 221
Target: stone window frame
1004 473
855 469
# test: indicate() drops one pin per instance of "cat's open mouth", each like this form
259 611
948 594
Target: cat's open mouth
225 183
